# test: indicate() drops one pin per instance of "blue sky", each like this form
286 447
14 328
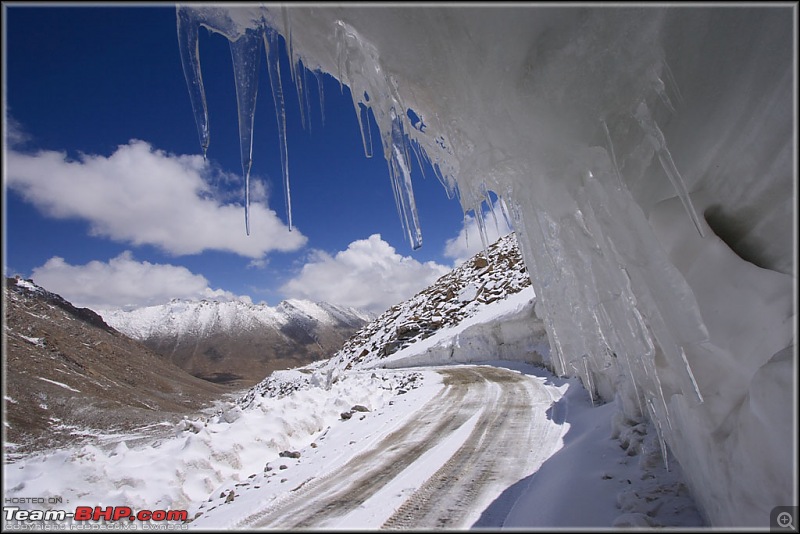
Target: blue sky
108 201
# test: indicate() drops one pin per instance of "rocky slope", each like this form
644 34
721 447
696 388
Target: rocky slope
70 375
239 343
452 298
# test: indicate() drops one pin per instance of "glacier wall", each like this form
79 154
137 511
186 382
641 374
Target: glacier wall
646 156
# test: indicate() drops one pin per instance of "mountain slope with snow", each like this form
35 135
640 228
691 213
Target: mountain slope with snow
239 342
68 375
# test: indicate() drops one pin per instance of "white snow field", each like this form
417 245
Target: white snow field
646 156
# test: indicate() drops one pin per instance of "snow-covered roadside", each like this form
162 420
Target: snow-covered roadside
181 470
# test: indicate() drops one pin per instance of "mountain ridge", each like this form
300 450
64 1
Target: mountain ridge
237 342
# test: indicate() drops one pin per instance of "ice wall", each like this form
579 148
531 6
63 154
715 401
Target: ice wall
646 157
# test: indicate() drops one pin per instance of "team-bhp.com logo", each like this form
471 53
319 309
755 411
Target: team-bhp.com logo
84 516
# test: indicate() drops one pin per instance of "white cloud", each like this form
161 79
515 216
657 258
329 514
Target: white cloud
124 282
369 275
15 134
468 241
143 196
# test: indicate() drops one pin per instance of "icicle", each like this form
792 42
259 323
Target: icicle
304 76
294 65
478 211
362 114
621 184
504 211
401 121
341 50
400 175
188 44
416 150
491 210
588 378
659 432
287 32
584 376
688 368
449 190
301 92
673 85
629 365
559 353
656 136
274 70
661 90
318 76
246 55
662 398
466 230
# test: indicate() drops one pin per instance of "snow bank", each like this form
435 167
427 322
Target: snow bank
505 330
600 480
181 468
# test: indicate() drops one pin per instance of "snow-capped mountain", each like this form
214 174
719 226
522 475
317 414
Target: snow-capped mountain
236 341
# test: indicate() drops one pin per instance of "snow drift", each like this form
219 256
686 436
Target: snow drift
646 157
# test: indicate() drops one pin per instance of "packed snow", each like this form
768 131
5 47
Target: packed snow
641 152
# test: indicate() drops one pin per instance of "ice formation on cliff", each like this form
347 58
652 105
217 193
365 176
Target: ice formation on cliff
646 158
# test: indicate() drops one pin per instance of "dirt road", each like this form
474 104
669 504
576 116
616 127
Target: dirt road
511 435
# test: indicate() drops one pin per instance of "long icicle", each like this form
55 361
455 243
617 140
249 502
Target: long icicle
341 50
400 174
656 136
504 211
274 70
478 211
304 75
620 183
420 161
301 92
246 54
362 114
188 44
673 84
318 75
491 206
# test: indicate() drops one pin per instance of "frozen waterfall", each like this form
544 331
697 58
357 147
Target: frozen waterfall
646 159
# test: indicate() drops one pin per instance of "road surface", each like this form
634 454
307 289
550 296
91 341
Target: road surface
494 426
